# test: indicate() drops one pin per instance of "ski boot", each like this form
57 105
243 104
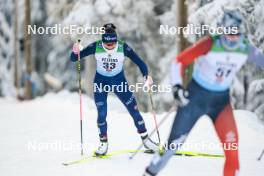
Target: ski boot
150 145
147 173
103 147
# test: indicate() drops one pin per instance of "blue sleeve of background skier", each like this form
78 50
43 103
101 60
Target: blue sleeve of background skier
89 50
136 59
255 56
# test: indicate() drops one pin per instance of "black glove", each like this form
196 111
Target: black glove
180 95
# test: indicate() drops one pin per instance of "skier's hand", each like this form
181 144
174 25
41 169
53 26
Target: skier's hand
76 48
148 81
180 95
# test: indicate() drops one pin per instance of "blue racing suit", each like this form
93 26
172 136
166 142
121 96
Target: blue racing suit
110 73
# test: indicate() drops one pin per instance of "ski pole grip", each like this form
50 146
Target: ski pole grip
79 42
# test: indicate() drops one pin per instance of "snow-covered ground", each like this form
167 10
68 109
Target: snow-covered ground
37 136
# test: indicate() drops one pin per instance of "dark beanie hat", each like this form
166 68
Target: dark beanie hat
110 34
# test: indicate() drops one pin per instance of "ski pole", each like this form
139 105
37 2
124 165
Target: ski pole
154 114
262 153
173 108
78 65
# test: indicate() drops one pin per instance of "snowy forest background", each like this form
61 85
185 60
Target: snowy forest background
138 24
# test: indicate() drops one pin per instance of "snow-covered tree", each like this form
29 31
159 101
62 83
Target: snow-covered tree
137 23
138 27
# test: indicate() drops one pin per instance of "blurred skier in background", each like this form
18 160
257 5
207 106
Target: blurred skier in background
110 55
217 60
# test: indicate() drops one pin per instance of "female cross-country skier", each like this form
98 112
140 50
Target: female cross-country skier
217 60
110 55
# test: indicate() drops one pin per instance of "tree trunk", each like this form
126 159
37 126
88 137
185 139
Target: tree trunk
182 42
182 18
16 74
28 51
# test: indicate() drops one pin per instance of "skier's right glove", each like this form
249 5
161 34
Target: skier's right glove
180 95
76 48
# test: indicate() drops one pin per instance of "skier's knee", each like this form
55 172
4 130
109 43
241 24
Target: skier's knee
102 110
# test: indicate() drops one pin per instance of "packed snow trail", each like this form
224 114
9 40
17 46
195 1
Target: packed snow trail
37 136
